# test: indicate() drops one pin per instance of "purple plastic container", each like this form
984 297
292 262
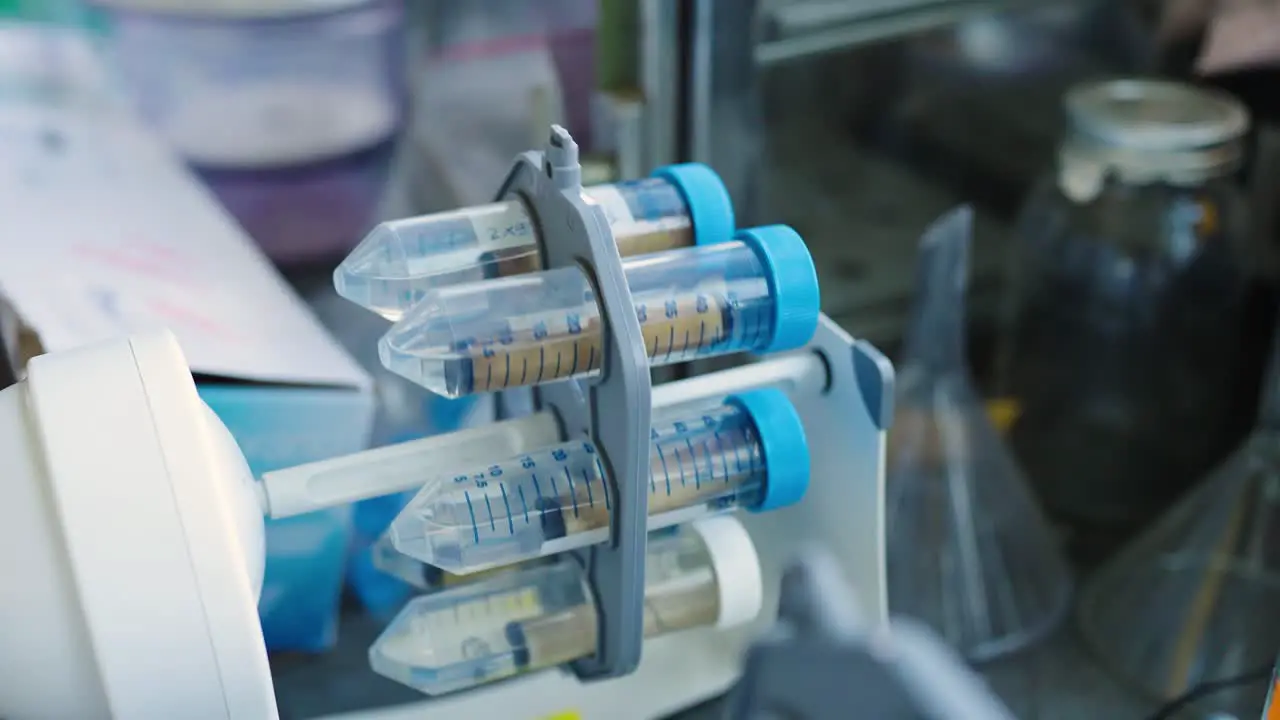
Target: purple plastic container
289 110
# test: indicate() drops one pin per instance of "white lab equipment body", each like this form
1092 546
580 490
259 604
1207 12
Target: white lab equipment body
132 539
133 546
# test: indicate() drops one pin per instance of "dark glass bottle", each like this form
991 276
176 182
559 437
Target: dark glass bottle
1127 322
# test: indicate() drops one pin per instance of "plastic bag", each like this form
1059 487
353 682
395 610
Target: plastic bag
969 551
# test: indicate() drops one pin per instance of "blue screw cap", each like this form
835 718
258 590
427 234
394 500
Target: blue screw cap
710 207
783 444
793 282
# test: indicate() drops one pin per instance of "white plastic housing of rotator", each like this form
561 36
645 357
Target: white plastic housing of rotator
131 544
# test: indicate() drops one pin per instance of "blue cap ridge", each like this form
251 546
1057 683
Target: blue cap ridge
710 207
793 282
783 444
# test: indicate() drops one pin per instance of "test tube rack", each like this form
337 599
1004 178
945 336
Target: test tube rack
847 411
575 233
841 387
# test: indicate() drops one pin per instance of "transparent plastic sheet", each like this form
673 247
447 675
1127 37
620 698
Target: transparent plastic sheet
1195 599
558 498
969 551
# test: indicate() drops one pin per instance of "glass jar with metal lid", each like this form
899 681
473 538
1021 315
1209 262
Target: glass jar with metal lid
1122 342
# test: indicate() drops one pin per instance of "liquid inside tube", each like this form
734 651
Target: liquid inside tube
680 593
538 618
544 327
399 261
560 498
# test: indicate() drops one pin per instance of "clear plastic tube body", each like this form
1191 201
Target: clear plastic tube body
537 618
429 578
537 328
559 498
399 261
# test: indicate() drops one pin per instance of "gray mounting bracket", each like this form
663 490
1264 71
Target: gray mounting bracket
821 660
575 233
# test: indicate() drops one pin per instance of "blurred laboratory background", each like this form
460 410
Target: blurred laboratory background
1084 461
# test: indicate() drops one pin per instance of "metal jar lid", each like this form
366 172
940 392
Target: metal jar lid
1147 131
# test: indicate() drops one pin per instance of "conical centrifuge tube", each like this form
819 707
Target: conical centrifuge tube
750 452
398 261
1194 599
706 575
757 293
429 578
413 572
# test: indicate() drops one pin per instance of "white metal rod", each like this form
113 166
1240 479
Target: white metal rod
798 374
409 466
397 468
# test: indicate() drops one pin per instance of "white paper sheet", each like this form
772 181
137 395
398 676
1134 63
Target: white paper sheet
103 232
